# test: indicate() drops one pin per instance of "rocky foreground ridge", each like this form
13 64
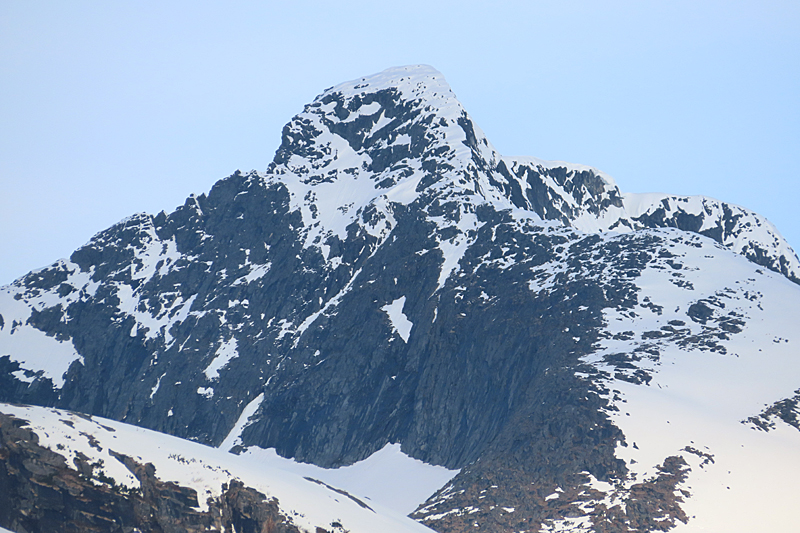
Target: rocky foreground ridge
65 471
41 492
391 278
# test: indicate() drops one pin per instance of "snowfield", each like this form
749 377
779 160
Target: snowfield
696 405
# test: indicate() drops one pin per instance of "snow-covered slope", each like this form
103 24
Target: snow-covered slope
707 382
305 493
712 343
391 281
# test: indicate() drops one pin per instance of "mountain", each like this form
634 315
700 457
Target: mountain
586 359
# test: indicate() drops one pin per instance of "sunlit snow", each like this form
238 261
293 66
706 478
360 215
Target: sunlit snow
400 322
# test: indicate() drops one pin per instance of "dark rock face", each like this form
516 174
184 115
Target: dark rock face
787 410
39 391
588 191
40 493
651 505
278 284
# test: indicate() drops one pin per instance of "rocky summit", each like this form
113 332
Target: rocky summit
586 359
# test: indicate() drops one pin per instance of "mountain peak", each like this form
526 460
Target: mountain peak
380 141
397 114
414 81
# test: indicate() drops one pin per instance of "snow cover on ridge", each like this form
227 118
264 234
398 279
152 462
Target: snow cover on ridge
590 201
735 227
152 257
309 504
43 355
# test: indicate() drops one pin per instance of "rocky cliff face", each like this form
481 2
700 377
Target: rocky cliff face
392 278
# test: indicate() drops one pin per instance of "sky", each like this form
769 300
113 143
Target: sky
113 108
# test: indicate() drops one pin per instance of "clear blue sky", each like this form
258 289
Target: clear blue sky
112 108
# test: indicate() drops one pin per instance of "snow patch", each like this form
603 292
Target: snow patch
412 481
233 437
400 322
224 354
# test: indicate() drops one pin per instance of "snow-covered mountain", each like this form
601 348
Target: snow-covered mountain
586 359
